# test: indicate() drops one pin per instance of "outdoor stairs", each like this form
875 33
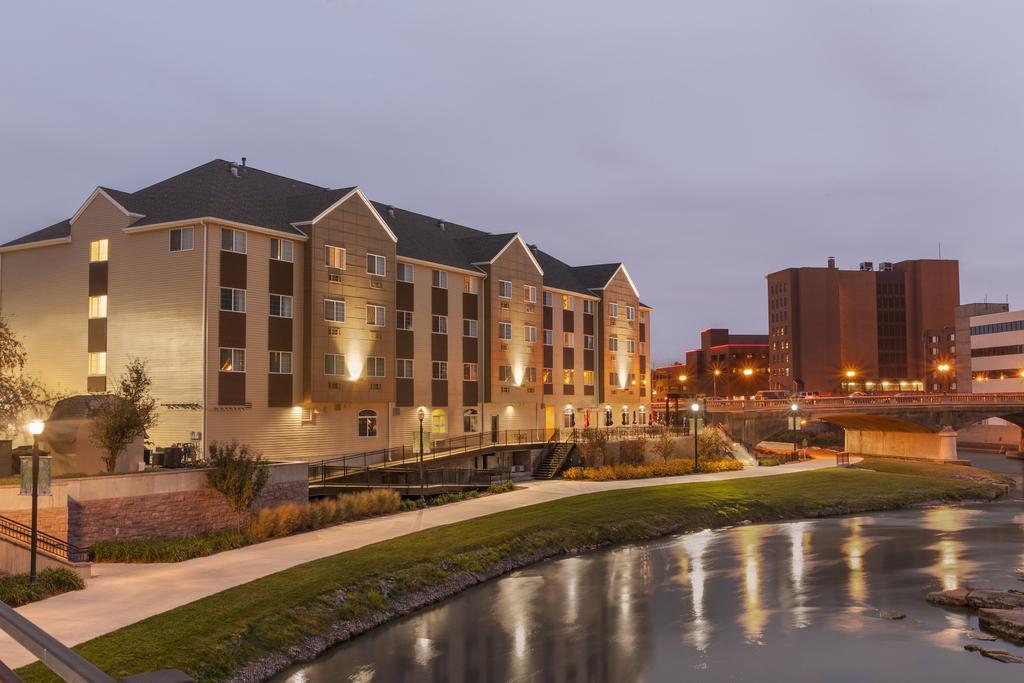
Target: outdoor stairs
554 460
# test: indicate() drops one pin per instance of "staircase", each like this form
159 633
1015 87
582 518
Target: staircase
554 460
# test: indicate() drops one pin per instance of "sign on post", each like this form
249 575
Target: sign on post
45 468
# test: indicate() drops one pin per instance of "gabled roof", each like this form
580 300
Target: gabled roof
596 276
483 248
428 239
558 274
58 230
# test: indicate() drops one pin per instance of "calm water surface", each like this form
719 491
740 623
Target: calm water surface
795 601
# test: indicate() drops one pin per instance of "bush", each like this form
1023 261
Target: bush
667 469
503 487
16 591
237 472
176 549
631 451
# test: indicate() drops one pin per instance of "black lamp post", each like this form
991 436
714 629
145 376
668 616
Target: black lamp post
35 428
422 414
794 419
695 408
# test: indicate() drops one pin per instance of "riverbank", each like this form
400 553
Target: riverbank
254 630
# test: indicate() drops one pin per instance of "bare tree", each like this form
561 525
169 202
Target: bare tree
128 413
665 445
593 446
21 396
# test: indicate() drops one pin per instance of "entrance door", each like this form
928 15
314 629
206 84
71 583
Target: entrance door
549 422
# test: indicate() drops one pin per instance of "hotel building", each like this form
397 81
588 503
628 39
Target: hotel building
308 322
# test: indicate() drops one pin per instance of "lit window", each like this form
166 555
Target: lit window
548 373
470 420
280 306
232 299
439 324
182 239
530 294
439 370
98 306
98 251
439 422
367 423
403 368
531 334
334 364
588 378
470 284
376 265
375 366
334 257
375 315
404 272
403 320
281 362
567 302
98 363
504 289
469 372
282 250
469 328
504 330
232 360
440 279
334 310
232 240
568 376
568 340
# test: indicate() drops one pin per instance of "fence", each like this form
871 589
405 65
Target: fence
22 534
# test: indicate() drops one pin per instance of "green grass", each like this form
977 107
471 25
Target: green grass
16 591
216 636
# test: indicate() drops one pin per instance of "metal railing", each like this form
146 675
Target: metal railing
22 533
842 459
407 479
951 400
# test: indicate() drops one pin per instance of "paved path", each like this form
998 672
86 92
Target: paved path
121 594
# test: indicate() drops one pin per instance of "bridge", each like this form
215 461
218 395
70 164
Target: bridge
924 425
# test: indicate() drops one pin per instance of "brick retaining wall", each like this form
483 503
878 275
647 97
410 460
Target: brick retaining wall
53 521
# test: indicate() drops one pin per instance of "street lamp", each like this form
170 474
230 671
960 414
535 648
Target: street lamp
715 374
695 407
943 370
35 428
422 414
794 419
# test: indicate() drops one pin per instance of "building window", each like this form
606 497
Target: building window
549 337
630 313
404 273
548 374
568 302
334 310
98 363
403 368
334 364
334 257
232 360
470 420
439 369
531 375
530 294
469 328
505 374
504 289
588 306
588 342
98 251
439 324
440 279
568 376
98 306
368 423
470 284
613 379
375 366
232 240
624 416
280 306
403 320
613 311
376 265
531 334
613 343
568 340
548 299
182 239
469 372
588 378
439 421
281 362
504 330
232 299
630 345
282 250
374 315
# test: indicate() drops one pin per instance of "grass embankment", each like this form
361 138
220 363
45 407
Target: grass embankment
261 626
16 591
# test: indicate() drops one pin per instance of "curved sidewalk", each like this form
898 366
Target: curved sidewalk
121 594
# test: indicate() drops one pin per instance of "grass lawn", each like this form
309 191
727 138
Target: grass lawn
219 635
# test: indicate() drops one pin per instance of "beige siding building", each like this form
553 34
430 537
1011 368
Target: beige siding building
311 322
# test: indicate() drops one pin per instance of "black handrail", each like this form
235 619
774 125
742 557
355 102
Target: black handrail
22 533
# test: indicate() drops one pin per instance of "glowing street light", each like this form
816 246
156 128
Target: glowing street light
747 372
35 428
695 408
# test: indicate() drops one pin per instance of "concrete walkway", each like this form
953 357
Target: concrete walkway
121 594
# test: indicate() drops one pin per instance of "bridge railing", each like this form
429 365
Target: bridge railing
953 400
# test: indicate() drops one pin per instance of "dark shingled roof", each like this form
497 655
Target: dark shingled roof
55 231
558 274
596 276
421 237
484 247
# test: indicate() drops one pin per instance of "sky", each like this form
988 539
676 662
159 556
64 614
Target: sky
704 144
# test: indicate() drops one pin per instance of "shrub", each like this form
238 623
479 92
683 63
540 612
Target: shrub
666 469
711 443
631 451
175 549
503 487
237 472
593 445
665 445
16 591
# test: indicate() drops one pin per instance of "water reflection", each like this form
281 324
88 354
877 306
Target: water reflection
693 573
949 522
753 617
799 539
855 548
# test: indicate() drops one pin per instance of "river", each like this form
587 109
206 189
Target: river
794 601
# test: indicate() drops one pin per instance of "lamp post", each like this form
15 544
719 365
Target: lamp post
850 376
35 428
714 381
422 414
943 369
794 420
695 408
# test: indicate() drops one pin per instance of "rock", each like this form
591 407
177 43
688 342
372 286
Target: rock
953 598
1008 623
745 522
998 655
995 599
978 635
891 614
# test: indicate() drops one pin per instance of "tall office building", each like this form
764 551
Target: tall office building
833 330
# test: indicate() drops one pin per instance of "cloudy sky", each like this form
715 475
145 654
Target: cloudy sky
703 143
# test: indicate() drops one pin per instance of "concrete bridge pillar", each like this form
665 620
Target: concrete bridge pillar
928 446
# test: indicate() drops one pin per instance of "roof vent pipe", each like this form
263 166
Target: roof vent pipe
391 211
831 261
440 224
243 162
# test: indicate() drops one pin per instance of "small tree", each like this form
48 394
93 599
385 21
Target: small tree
20 395
127 413
237 472
665 445
712 444
593 446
